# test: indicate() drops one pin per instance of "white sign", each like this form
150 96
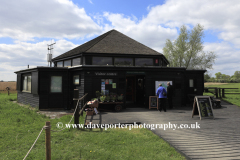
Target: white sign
164 84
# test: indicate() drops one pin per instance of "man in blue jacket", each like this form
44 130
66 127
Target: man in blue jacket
162 95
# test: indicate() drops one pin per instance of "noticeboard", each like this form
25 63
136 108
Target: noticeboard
202 106
164 84
153 102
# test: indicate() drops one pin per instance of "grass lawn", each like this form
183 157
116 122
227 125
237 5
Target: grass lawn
232 98
20 127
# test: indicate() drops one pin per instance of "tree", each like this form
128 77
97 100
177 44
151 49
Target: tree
218 75
236 74
206 77
187 50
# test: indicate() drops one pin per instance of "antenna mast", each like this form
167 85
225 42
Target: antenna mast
50 53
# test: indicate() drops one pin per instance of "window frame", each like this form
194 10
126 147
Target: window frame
78 64
126 58
58 62
79 76
190 83
102 64
153 64
70 63
22 83
50 84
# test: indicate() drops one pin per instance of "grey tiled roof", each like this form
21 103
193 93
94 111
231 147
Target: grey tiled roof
112 42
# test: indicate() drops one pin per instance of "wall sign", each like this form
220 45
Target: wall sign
106 73
202 106
114 85
138 73
153 102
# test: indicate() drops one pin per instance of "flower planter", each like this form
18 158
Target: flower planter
89 113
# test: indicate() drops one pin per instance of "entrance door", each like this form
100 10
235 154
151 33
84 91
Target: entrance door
140 90
135 90
130 89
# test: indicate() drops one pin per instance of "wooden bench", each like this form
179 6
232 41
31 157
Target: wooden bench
216 103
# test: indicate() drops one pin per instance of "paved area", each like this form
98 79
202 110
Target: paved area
217 138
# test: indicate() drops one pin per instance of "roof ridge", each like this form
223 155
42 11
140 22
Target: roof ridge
140 43
107 33
79 47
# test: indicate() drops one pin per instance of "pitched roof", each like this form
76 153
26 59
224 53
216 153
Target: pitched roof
112 42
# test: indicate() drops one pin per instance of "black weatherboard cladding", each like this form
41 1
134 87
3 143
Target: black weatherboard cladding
19 78
53 100
28 99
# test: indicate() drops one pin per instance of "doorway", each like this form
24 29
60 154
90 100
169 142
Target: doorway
135 91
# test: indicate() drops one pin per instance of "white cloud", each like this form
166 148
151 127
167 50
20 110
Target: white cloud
218 15
90 1
161 23
227 58
14 57
152 35
24 20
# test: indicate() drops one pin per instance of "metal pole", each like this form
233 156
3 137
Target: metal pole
48 140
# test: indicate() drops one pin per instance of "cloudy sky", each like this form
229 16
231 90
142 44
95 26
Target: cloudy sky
28 26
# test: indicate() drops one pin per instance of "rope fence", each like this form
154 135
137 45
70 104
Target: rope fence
33 144
47 127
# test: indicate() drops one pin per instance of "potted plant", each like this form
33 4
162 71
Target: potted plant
94 99
113 98
107 98
98 94
102 98
120 98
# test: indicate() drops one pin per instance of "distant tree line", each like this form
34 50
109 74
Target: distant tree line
223 78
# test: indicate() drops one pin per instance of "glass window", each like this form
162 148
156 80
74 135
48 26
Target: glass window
190 82
76 79
67 63
76 61
143 62
60 64
101 60
123 61
27 80
56 84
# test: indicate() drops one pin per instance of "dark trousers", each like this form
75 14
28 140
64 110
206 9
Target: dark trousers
162 104
170 102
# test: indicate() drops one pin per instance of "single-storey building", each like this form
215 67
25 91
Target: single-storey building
110 63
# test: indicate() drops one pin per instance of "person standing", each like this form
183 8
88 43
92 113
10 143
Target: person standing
170 95
162 95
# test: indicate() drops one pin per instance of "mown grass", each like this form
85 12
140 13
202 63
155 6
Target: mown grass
232 98
20 126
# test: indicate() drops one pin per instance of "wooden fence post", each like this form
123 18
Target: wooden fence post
216 92
219 91
223 93
76 115
48 140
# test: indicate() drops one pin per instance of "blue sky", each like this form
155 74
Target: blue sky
28 26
